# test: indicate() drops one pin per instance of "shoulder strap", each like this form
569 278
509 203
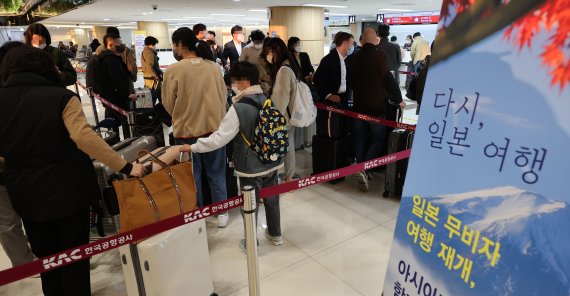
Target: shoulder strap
251 102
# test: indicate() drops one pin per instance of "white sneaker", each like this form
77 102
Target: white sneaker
275 240
362 180
223 220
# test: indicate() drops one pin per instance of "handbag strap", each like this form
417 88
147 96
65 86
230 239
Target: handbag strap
170 176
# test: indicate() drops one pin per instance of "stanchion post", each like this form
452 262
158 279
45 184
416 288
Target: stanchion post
131 122
92 96
249 206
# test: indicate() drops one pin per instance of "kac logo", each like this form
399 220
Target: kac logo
56 261
198 214
307 182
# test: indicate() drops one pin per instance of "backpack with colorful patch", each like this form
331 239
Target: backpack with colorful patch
270 141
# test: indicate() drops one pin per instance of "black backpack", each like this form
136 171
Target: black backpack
94 76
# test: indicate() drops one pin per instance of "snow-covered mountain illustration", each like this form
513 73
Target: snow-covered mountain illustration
534 236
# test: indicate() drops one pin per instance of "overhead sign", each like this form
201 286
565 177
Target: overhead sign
485 209
412 20
380 18
352 19
338 21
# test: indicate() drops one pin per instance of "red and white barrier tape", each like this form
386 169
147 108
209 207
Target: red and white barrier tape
105 102
372 119
109 243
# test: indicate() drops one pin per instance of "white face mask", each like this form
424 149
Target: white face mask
298 48
41 46
258 46
235 89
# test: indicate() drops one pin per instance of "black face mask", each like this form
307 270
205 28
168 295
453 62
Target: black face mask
176 56
120 48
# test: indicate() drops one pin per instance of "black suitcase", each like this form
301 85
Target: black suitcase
330 154
110 137
147 123
399 140
332 125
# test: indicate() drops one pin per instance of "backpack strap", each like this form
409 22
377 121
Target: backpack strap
251 102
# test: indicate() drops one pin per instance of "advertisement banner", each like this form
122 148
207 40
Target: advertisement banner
139 37
485 209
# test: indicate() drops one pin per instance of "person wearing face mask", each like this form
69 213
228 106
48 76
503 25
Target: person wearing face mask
330 77
217 49
151 69
239 124
252 51
127 56
285 74
116 82
409 43
302 59
195 95
234 48
38 36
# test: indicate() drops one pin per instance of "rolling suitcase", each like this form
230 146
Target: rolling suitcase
147 123
144 98
173 263
399 140
329 154
331 125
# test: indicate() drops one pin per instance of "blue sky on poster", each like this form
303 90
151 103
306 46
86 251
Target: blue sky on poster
517 101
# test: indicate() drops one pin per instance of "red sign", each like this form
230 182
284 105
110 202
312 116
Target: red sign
412 20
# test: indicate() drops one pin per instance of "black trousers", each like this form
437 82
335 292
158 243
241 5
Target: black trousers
49 237
120 120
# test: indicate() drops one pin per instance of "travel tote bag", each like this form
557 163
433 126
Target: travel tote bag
157 196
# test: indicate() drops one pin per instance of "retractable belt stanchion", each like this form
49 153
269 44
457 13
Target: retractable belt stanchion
92 96
249 206
131 122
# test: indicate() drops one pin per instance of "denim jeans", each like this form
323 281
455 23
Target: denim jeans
215 168
272 211
368 140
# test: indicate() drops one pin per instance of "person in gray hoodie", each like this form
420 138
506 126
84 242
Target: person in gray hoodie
239 124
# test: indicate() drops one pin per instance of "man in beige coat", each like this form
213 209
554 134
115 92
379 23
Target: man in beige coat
195 95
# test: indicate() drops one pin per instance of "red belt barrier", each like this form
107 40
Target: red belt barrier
105 102
372 119
109 243
407 73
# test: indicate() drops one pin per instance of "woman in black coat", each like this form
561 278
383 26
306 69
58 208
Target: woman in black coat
302 59
47 143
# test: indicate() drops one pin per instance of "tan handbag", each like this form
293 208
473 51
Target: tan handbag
160 195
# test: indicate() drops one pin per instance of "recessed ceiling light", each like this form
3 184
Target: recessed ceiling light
144 13
224 14
106 20
151 12
257 10
394 9
324 5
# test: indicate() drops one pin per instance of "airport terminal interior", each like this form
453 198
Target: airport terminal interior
337 239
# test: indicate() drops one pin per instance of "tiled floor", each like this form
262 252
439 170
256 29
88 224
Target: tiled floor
337 242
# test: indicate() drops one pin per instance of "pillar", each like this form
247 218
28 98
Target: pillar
99 32
158 30
79 36
307 23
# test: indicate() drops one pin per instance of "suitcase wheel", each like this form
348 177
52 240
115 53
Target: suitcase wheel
386 194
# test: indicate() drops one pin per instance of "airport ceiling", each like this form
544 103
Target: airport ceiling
224 12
